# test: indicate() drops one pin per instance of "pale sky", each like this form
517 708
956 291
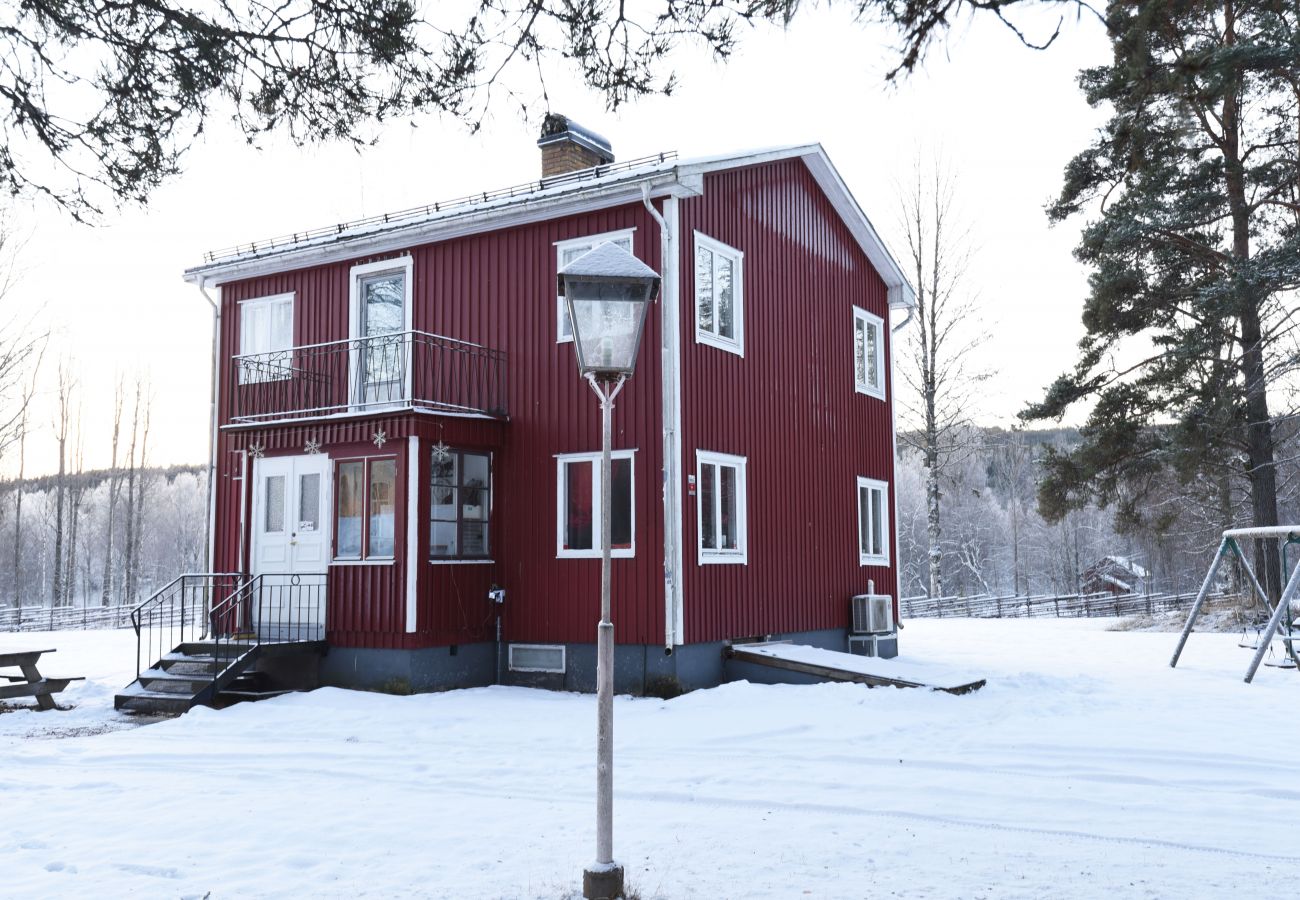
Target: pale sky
1007 119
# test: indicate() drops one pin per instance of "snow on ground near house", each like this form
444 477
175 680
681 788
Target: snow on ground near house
1086 768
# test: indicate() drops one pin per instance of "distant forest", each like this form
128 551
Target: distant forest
995 542
158 532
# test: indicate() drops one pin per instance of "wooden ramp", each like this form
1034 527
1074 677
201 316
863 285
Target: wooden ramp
832 665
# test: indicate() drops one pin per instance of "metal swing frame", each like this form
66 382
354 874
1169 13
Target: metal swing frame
1288 534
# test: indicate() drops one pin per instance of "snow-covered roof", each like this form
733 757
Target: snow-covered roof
662 175
1128 563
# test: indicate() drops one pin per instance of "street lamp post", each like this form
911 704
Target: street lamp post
607 292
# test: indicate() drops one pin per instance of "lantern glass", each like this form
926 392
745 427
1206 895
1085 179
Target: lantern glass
607 320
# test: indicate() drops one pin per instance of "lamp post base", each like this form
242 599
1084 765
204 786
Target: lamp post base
603 882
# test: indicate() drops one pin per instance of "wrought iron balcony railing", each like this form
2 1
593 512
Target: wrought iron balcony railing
404 369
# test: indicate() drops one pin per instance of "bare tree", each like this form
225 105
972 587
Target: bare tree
938 364
135 487
62 429
114 488
76 491
1011 467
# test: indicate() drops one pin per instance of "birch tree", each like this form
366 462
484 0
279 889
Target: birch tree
114 487
938 364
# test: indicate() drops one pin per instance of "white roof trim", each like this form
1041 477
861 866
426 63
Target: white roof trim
678 178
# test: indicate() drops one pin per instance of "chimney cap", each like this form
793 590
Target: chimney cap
557 128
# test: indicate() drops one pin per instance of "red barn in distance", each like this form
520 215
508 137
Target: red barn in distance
400 424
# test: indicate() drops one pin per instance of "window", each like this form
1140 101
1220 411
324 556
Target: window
536 658
265 339
366 507
565 253
461 505
873 522
381 309
721 508
868 353
579 498
719 295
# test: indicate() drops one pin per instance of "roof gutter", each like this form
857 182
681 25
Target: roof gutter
661 183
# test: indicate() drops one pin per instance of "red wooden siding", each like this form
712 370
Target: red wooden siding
788 405
496 289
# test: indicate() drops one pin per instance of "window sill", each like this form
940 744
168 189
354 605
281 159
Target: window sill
385 561
715 558
721 343
879 393
595 554
451 561
873 560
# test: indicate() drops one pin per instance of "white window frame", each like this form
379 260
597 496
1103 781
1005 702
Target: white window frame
709 556
597 504
873 485
590 242
510 658
877 323
268 301
734 345
403 264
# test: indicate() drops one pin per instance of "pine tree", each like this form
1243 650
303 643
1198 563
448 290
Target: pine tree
1195 255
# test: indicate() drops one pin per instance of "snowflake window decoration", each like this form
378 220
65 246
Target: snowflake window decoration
380 438
441 452
256 449
313 446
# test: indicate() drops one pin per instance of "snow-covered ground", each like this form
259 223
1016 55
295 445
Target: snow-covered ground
1086 768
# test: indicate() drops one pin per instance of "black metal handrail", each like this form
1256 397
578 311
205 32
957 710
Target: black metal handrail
177 613
401 369
268 609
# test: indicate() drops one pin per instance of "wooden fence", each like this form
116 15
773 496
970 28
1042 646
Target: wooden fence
61 618
983 606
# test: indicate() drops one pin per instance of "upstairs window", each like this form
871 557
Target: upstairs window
461 505
265 339
722 510
868 353
873 522
565 253
580 499
365 508
719 295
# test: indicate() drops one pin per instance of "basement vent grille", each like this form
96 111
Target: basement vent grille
537 658
873 614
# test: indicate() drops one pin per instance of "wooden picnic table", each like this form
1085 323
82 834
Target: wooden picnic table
30 683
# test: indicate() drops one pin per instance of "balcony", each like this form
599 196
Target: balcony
400 370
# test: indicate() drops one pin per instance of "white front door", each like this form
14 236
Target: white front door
291 544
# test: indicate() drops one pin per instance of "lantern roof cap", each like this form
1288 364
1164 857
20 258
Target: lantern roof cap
609 261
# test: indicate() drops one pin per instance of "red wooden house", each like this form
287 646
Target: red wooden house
399 420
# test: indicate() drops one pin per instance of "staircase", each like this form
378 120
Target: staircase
219 628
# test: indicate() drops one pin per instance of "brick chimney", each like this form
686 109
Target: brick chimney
568 147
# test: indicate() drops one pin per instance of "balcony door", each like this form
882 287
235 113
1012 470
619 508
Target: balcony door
291 539
381 340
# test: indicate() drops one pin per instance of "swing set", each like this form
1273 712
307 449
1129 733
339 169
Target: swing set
1282 627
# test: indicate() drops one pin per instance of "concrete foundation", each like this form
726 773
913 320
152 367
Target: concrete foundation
639 669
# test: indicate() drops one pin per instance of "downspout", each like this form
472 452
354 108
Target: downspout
893 411
668 325
210 549
911 311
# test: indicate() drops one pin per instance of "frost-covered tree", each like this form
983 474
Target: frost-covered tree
937 363
1193 189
